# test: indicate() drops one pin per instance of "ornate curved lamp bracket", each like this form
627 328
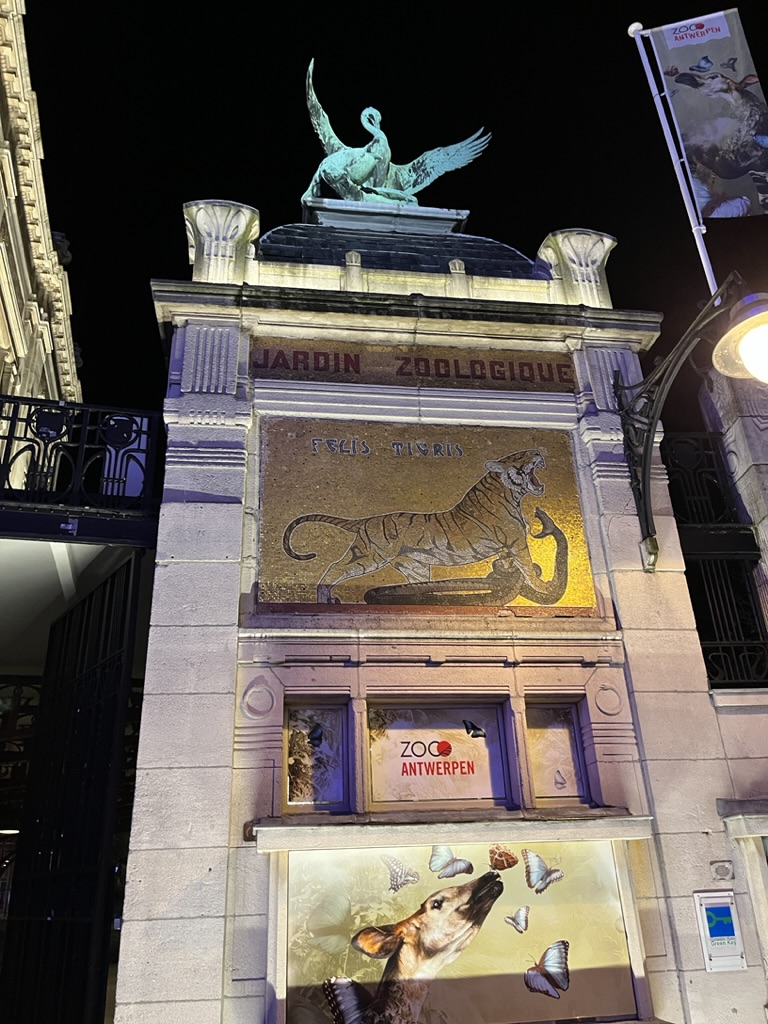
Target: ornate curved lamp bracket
640 406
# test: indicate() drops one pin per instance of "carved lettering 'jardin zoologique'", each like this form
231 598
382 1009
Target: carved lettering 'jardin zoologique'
431 367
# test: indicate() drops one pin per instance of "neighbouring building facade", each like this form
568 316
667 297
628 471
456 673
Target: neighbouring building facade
78 517
37 355
414 714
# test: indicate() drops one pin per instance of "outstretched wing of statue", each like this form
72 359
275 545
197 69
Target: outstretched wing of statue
422 171
330 140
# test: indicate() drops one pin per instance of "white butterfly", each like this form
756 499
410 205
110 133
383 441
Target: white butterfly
330 923
537 874
551 972
443 861
519 920
399 874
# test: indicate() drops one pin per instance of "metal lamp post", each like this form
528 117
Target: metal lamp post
741 352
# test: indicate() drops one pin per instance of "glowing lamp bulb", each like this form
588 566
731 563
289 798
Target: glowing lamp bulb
753 349
743 349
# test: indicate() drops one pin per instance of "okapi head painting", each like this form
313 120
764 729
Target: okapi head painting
416 949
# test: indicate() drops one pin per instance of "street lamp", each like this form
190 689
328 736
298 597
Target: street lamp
741 352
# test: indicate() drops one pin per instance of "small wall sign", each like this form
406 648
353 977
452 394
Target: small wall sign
719 930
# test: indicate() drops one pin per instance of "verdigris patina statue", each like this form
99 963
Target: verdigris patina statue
367 173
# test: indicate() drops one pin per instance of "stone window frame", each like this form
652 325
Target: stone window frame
577 708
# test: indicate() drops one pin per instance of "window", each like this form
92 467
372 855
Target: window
555 754
316 758
437 754
431 756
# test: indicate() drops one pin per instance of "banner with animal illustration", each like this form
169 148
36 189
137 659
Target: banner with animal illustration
720 111
457 934
390 515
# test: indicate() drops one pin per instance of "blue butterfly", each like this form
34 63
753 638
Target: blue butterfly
315 735
519 920
537 874
443 861
704 65
551 972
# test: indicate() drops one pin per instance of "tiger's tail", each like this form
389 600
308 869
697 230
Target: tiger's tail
314 517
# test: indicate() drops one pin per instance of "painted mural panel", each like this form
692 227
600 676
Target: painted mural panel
406 514
435 753
459 934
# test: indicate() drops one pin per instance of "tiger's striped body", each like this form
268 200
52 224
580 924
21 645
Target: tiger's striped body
487 522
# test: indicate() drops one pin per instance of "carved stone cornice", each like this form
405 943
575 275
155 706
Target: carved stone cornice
560 323
37 261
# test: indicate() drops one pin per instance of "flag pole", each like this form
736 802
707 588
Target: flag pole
698 229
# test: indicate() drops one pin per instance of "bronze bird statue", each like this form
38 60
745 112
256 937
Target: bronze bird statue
366 173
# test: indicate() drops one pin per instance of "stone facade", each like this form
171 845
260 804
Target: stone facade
207 920
37 357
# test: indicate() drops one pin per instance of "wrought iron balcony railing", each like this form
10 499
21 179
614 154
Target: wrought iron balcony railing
79 456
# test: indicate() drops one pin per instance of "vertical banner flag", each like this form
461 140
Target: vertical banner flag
719 111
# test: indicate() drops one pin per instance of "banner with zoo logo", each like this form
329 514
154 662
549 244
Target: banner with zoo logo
504 932
393 515
436 753
719 111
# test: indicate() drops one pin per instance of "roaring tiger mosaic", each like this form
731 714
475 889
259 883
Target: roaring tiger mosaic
487 522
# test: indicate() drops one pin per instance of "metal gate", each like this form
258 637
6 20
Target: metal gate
57 945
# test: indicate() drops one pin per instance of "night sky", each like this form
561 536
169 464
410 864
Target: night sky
159 106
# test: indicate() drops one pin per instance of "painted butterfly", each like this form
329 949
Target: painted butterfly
399 874
704 65
443 861
730 64
475 731
519 920
501 858
315 735
346 998
551 972
330 923
537 874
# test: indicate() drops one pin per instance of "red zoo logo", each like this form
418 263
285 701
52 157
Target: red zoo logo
697 26
435 748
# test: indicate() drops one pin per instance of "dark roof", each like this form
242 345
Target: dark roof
384 250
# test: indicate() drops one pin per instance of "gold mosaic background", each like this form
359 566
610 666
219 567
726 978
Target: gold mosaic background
306 468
